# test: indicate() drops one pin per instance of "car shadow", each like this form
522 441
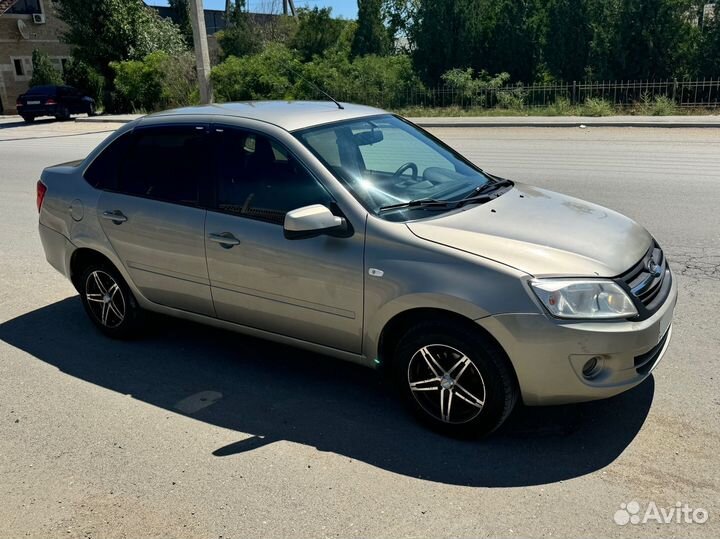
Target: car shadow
274 392
23 123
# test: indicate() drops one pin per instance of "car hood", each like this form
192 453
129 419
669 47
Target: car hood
542 233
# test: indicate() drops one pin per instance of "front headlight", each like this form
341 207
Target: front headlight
580 298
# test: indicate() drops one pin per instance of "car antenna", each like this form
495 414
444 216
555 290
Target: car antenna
316 87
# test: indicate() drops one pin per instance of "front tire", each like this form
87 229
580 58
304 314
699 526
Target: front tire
109 302
454 379
91 110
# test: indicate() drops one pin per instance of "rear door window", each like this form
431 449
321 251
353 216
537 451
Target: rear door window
166 163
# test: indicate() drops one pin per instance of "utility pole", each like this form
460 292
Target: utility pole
202 53
289 5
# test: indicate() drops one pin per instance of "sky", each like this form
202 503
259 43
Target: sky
340 8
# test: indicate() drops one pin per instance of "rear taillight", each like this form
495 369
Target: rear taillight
51 101
18 101
41 190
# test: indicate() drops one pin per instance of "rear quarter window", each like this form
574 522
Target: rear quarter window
103 171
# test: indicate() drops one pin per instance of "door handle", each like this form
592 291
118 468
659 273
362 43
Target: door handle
226 239
116 216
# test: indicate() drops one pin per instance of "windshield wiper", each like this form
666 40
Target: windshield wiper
419 203
481 194
489 187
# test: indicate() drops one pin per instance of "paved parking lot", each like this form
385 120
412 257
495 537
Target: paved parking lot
194 432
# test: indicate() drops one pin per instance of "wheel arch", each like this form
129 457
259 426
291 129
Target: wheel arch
398 325
81 259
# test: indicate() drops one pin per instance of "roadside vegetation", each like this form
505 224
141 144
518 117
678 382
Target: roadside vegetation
420 57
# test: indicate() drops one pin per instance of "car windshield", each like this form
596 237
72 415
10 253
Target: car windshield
393 168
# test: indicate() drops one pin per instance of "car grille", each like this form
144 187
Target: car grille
648 281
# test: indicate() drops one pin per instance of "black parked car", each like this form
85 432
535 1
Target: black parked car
58 101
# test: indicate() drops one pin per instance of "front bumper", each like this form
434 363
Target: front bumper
548 354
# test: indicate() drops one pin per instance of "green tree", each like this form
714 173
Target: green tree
400 16
650 34
639 39
240 37
706 57
43 71
436 37
489 35
371 36
104 31
317 31
498 36
86 79
182 14
563 28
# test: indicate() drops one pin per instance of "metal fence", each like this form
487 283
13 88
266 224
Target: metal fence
703 93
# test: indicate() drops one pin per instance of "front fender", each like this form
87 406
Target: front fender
404 272
408 302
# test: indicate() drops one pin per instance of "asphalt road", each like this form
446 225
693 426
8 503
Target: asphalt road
194 432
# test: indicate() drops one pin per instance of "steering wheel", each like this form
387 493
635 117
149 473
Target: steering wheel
407 166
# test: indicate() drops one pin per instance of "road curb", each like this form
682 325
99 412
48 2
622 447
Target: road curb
449 122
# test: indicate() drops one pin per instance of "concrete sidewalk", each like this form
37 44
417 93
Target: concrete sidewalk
518 121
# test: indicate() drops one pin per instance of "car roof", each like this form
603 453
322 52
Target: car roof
289 115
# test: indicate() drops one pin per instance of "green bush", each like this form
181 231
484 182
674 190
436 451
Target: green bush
260 76
157 82
664 106
561 107
278 73
86 79
381 81
660 105
512 98
595 106
470 86
43 71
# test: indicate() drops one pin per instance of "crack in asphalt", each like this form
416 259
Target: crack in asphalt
698 262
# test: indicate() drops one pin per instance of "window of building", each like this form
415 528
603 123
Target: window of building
22 66
25 7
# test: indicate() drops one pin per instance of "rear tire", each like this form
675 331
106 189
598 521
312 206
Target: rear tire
28 119
63 114
109 302
454 379
91 110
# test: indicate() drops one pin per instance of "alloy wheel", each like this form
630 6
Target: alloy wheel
105 299
446 383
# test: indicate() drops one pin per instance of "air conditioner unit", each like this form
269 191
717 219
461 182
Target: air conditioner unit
39 18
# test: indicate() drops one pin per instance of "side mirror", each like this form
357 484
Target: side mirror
313 220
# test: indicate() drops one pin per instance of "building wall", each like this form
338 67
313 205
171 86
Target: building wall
14 78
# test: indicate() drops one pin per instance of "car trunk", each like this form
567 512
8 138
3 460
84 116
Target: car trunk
35 103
